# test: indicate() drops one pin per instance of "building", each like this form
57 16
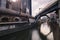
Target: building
26 5
3 3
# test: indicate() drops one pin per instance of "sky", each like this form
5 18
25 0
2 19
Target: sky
39 5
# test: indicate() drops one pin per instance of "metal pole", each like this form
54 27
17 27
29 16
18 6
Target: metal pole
30 7
0 3
7 4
